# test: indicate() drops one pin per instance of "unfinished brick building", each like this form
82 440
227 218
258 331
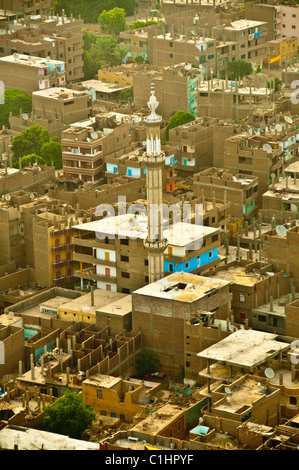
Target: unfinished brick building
163 307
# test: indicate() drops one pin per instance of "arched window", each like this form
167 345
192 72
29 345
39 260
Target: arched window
57 259
58 275
57 242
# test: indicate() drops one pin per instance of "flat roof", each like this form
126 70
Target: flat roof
104 87
101 298
244 24
119 307
245 348
135 227
238 275
182 287
102 380
55 302
33 439
59 93
33 61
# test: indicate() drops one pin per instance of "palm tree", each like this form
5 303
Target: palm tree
146 364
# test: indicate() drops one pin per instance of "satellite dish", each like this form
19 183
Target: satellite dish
288 119
227 390
269 373
297 223
267 148
144 142
25 116
32 196
94 135
16 55
102 108
278 127
234 178
7 197
136 152
88 139
242 327
281 230
22 293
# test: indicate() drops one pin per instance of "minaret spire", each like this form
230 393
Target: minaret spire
154 161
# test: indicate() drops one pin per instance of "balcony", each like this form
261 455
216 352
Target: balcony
60 264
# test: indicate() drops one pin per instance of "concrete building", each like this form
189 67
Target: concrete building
250 38
27 8
194 144
282 52
245 350
43 36
226 99
161 309
241 190
54 109
31 73
281 249
108 247
116 397
175 88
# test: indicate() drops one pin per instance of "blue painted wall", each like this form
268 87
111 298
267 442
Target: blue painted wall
193 263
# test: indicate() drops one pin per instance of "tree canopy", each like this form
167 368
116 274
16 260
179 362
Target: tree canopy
179 118
101 49
113 21
68 415
36 140
15 99
146 364
91 9
238 69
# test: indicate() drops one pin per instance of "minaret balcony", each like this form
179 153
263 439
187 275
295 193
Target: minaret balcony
156 246
154 158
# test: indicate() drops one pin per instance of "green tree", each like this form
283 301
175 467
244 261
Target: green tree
29 141
146 364
276 84
179 118
126 95
91 66
68 415
238 69
15 99
113 21
52 152
33 158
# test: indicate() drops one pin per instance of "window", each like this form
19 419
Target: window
171 56
146 262
125 291
126 275
187 364
99 394
293 26
187 265
124 258
146 278
261 318
211 254
124 241
293 401
103 413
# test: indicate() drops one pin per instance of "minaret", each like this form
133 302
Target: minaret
154 161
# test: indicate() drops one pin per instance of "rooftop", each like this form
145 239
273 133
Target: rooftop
33 439
245 348
33 61
182 287
135 227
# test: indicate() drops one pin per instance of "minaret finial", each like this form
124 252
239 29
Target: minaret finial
153 105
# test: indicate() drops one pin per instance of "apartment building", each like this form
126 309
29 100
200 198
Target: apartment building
282 19
27 7
227 99
238 188
168 49
175 88
160 310
282 52
250 39
281 201
252 286
59 38
31 73
87 144
281 248
136 43
129 162
250 155
194 144
112 253
54 109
